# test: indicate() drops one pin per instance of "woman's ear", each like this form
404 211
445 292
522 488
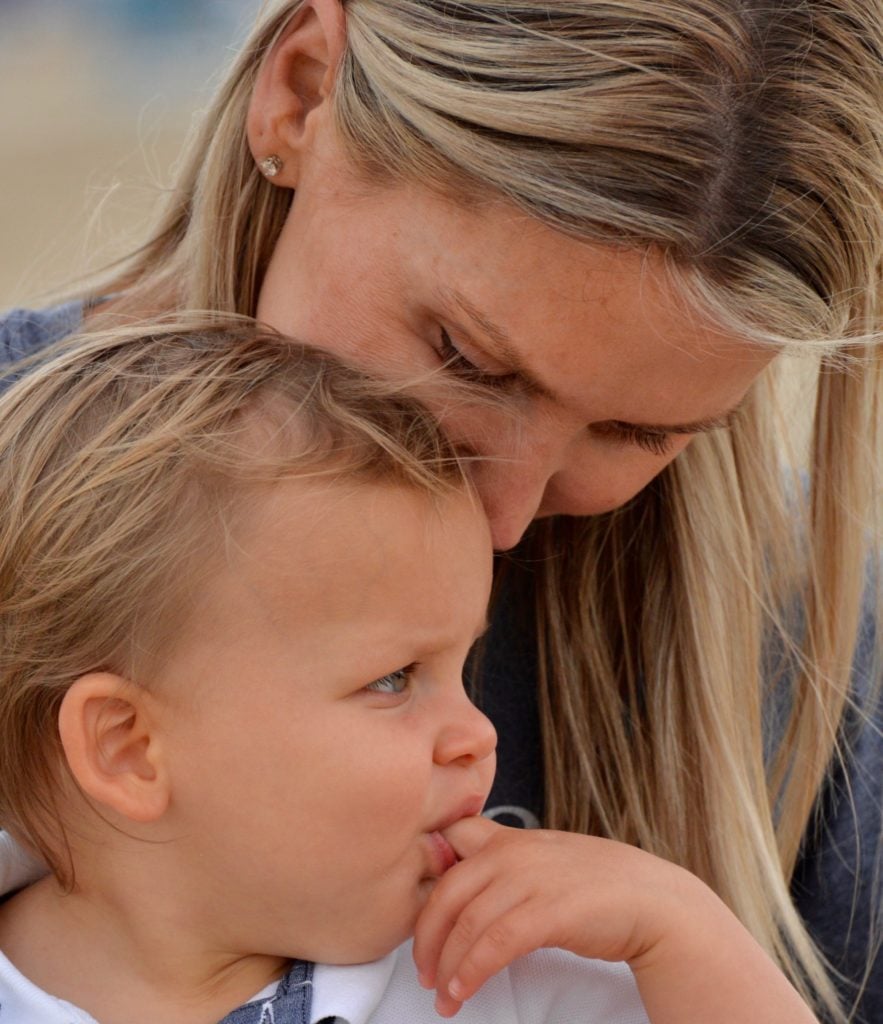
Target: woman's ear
293 86
113 747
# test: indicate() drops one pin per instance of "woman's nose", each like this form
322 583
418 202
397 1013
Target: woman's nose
467 737
563 472
515 490
511 505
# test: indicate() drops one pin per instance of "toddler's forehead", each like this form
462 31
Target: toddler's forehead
315 565
334 520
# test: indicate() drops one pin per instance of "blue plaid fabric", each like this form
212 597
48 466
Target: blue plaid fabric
289 1004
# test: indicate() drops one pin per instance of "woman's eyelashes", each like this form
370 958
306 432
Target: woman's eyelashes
394 683
456 362
653 441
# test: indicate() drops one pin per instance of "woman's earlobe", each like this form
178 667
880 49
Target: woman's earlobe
293 87
112 746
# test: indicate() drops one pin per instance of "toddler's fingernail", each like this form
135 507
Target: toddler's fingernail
423 979
455 990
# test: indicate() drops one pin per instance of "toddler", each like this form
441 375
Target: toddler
239 585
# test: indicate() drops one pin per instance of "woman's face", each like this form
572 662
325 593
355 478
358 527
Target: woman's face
607 374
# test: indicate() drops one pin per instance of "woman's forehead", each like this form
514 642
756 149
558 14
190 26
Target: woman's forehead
600 330
555 308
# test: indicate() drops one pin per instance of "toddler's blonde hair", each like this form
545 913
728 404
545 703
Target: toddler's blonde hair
124 460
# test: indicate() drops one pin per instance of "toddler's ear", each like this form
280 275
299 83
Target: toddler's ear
112 746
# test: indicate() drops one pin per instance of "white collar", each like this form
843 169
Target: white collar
353 992
17 867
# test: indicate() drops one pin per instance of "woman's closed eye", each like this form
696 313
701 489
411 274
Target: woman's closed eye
460 364
393 682
652 441
503 382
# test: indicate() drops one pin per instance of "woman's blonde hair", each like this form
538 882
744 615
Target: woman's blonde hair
125 461
744 144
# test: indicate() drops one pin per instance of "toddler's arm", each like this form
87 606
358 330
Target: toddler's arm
518 890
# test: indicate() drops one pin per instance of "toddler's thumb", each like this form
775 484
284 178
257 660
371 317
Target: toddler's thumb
468 835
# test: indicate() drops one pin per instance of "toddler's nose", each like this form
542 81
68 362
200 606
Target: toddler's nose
467 737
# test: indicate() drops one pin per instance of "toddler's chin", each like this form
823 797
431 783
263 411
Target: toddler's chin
378 944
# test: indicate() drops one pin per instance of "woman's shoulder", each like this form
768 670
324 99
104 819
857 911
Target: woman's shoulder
26 331
837 884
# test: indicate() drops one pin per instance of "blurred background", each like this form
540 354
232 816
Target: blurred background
96 97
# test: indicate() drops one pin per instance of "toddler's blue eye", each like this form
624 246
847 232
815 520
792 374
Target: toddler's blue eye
393 682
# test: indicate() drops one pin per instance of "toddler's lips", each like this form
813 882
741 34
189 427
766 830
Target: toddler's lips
442 854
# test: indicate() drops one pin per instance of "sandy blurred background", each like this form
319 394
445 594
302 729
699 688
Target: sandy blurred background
96 97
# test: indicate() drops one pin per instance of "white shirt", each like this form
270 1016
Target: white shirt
550 986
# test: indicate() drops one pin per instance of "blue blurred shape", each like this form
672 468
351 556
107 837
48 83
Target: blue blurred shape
153 16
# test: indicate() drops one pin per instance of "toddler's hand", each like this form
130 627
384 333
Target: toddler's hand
517 890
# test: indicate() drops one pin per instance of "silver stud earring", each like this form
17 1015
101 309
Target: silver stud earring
270 166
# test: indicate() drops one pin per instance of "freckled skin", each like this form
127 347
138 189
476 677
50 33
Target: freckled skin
599 328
